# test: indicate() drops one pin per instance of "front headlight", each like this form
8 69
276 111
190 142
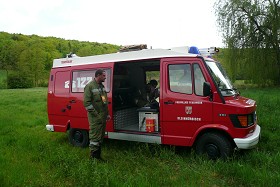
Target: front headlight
243 121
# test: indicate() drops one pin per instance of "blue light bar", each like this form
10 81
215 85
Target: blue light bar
194 50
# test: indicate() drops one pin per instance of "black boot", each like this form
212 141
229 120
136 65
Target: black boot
99 155
95 154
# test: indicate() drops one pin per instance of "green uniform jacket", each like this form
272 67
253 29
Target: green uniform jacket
93 102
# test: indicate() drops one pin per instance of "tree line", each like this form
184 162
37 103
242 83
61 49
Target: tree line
251 32
27 59
250 29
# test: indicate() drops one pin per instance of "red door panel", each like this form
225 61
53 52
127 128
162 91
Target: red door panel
80 78
58 98
182 109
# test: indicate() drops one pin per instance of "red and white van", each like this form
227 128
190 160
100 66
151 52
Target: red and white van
198 105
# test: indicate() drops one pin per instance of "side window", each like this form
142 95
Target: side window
62 82
180 79
81 78
198 80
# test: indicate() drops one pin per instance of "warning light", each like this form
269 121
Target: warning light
194 50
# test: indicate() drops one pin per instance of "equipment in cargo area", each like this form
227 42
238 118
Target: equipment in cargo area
150 125
148 120
126 119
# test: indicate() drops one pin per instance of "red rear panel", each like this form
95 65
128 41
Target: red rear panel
58 99
65 95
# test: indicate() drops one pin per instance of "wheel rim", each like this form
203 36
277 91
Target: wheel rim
78 137
212 150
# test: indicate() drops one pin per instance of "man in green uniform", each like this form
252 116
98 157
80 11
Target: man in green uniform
96 104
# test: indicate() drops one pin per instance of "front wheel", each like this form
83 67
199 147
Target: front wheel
214 145
78 137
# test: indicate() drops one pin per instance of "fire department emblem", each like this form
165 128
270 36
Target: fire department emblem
188 110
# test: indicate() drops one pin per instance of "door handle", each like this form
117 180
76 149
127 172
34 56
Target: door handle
72 101
169 102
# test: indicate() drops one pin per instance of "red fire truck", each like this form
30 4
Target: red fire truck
197 104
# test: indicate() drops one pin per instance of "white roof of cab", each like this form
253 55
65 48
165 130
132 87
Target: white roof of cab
118 57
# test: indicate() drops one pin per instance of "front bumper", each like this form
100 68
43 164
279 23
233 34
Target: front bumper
50 127
249 142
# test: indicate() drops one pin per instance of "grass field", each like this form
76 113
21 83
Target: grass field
32 156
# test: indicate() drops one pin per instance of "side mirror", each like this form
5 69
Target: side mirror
206 89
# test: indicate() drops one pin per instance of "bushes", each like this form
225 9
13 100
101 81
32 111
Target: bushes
3 84
3 79
17 80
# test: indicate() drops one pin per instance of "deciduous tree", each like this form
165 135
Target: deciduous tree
251 31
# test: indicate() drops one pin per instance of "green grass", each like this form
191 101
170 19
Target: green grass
32 156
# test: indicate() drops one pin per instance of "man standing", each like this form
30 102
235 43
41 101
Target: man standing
96 104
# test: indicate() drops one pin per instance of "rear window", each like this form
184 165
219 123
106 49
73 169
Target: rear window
81 78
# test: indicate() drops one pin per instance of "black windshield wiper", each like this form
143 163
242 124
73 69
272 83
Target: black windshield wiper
227 89
233 89
237 91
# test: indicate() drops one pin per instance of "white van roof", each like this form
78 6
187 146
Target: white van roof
119 57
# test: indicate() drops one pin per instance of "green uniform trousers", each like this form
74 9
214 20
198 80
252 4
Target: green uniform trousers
97 125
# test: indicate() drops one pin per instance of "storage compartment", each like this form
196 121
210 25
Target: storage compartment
132 119
126 119
148 116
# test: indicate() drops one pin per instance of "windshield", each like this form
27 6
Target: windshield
221 78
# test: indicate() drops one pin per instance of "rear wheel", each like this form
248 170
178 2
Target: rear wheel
78 137
214 145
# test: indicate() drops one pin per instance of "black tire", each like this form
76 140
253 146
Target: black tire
214 145
78 137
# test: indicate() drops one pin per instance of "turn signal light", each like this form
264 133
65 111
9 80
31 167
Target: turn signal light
243 120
